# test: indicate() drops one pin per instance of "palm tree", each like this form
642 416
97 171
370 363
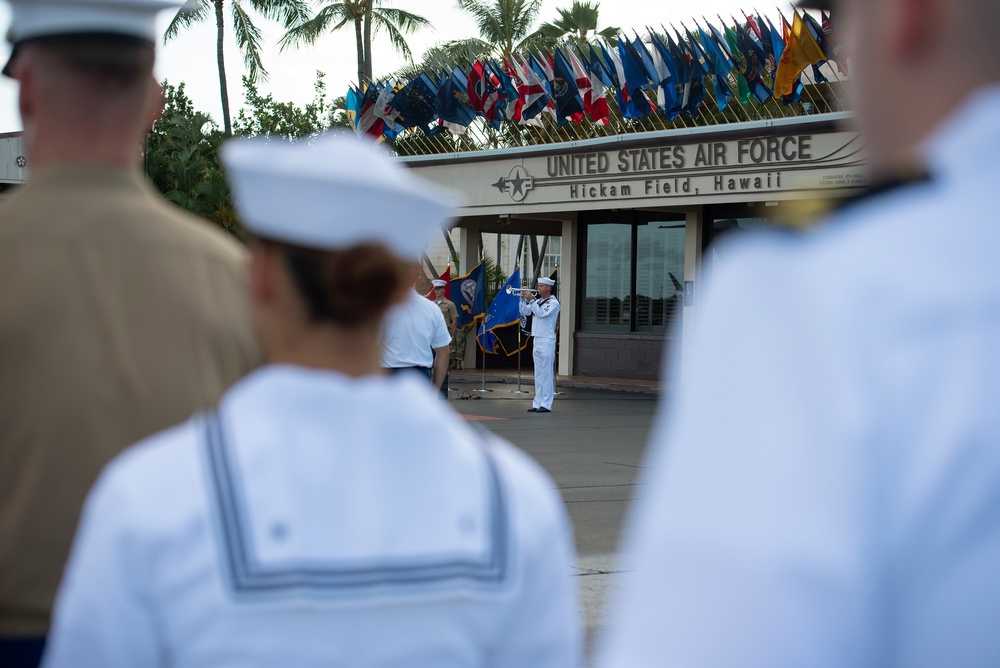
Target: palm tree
504 24
248 35
578 25
368 16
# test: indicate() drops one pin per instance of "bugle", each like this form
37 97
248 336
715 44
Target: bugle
511 290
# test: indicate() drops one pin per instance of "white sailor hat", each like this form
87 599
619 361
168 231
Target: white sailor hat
339 191
438 283
545 280
32 19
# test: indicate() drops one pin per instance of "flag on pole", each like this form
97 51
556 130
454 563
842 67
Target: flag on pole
801 50
470 296
565 89
453 101
503 312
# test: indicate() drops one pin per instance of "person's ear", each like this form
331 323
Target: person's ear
27 95
155 104
914 27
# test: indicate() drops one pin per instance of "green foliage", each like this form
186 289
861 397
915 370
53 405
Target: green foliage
504 24
264 116
367 17
494 277
182 162
576 25
248 36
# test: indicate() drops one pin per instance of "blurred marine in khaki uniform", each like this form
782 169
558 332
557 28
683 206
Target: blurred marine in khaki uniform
119 314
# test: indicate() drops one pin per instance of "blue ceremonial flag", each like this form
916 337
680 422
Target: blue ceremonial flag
503 312
353 106
416 102
469 294
453 99
644 58
636 79
668 85
636 75
720 65
567 94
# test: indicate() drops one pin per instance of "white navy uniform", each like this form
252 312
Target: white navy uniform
545 314
412 329
303 525
825 488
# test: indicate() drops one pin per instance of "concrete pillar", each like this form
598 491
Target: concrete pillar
694 230
567 295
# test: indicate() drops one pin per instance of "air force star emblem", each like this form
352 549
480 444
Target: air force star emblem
516 184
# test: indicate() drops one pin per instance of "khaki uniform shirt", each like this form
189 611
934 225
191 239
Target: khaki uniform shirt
120 315
449 312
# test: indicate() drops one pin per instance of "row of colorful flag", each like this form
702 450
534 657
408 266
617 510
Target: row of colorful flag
665 72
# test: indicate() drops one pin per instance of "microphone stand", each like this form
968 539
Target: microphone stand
518 390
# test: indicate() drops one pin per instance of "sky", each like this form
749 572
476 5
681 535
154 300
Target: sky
190 58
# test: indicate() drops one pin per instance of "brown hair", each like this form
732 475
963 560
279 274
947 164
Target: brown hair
350 287
106 62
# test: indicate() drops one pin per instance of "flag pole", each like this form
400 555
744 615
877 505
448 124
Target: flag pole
478 345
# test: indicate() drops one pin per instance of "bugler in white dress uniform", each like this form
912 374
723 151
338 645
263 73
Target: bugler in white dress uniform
824 490
545 317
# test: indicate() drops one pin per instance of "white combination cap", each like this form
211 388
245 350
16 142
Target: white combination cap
438 283
33 19
44 18
337 192
545 280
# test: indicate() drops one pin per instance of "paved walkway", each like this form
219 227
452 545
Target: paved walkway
509 377
592 445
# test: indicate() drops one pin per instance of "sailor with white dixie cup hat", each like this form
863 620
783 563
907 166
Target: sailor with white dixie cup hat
322 514
544 310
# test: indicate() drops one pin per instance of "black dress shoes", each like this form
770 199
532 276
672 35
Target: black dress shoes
543 410
532 410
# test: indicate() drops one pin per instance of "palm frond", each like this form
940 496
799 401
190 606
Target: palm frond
395 38
248 38
309 31
288 12
188 17
405 21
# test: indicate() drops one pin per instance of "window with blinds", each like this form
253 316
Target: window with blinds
634 276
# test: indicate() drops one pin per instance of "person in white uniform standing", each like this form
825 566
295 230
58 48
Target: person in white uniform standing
824 487
322 514
545 316
414 337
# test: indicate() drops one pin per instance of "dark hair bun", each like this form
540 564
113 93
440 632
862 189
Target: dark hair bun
351 287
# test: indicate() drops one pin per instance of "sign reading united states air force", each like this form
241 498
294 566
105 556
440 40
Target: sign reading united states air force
678 173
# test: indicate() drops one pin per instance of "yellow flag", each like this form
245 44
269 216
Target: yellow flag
801 51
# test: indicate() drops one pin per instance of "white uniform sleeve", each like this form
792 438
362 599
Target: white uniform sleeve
101 617
750 548
523 307
543 628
